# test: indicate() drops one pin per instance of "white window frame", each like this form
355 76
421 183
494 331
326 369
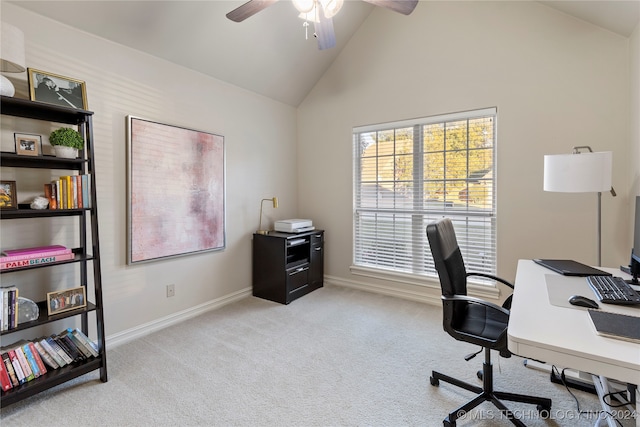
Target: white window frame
391 240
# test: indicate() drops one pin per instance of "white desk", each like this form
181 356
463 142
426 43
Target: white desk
565 336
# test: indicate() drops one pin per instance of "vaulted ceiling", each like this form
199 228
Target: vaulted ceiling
267 53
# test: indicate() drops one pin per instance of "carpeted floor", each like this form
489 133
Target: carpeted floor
336 357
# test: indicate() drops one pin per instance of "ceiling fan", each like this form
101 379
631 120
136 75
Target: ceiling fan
320 12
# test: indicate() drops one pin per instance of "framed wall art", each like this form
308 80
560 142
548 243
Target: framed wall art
175 191
56 89
8 195
65 300
27 144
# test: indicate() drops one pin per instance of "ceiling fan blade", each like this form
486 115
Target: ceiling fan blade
249 9
324 31
401 6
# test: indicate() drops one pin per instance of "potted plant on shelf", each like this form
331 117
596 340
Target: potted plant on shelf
66 142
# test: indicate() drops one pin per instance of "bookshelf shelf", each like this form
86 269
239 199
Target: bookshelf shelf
43 318
87 252
23 212
79 257
51 379
42 162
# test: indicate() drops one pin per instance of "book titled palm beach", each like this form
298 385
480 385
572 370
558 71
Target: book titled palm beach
15 258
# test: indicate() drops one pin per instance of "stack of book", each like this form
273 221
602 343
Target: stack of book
24 361
69 192
8 308
15 258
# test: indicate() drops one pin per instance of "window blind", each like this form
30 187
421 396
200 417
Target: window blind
410 173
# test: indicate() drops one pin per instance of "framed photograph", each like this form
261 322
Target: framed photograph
56 89
8 195
175 191
66 300
27 144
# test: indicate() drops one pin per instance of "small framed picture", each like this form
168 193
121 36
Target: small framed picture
56 89
27 144
66 300
8 196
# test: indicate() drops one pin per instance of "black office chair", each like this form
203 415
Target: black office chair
474 321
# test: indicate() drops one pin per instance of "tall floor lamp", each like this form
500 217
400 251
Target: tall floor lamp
578 172
273 200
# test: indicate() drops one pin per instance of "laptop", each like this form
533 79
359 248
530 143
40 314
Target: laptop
569 267
615 325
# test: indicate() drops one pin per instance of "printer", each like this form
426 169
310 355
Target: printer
294 225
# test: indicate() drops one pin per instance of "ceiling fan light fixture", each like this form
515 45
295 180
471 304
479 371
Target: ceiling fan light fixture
331 7
304 6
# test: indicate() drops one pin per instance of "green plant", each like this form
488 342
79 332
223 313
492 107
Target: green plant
67 137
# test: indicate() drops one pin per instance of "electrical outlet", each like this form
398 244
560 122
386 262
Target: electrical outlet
171 291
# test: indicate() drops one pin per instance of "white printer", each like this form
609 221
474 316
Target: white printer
294 225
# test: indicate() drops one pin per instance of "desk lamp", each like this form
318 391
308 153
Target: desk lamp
274 200
12 58
581 173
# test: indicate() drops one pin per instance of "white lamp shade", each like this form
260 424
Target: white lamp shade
12 59
578 173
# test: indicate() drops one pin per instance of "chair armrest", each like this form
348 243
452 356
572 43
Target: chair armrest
491 276
474 300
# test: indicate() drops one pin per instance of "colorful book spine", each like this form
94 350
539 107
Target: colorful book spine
37 358
85 191
79 345
58 192
35 255
63 193
35 261
12 307
50 193
33 365
53 353
34 250
54 344
24 363
47 359
9 366
78 179
17 367
65 342
69 193
9 301
91 346
5 381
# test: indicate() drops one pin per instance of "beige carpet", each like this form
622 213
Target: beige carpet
336 357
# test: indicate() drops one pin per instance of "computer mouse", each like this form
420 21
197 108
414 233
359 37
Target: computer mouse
581 301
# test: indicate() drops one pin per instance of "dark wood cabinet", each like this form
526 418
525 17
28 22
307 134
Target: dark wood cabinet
287 266
87 252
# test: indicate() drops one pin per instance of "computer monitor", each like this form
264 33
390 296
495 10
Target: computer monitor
634 266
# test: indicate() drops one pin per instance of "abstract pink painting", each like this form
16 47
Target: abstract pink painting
176 191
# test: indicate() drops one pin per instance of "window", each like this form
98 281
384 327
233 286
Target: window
410 173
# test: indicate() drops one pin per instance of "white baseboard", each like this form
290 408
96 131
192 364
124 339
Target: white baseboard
163 322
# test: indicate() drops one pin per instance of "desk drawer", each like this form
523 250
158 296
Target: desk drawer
297 279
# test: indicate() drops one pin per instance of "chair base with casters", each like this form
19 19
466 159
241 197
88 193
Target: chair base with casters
487 393
474 321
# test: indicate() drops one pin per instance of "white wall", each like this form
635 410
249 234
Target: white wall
634 116
259 138
557 82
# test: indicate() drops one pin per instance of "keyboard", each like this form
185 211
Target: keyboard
613 290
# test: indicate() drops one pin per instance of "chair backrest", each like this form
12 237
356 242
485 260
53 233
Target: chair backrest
447 257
